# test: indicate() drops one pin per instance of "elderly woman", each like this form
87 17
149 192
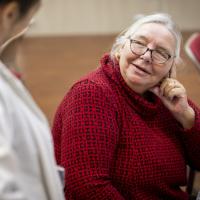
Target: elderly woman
27 164
127 130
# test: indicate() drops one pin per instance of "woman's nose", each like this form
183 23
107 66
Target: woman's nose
147 57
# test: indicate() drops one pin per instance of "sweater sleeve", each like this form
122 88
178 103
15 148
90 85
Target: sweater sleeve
191 140
89 136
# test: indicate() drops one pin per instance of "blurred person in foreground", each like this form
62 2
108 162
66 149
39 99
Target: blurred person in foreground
27 166
127 130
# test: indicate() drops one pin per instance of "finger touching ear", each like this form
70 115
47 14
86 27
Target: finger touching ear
172 71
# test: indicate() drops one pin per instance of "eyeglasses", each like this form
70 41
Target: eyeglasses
157 56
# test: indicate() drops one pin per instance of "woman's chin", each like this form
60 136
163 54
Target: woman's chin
135 78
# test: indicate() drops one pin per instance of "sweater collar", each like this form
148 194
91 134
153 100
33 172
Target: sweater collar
146 106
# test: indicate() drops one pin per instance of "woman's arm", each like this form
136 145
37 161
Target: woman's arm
89 137
174 96
191 138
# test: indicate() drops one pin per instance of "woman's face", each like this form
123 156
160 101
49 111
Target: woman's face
142 72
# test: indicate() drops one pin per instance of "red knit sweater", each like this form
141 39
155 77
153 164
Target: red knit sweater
116 145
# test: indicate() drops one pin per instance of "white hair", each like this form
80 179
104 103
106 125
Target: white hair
158 18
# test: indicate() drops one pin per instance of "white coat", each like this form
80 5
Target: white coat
27 166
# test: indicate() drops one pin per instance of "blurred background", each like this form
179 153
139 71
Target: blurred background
68 37
78 17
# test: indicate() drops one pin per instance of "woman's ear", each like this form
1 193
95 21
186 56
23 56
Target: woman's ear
117 56
118 53
10 14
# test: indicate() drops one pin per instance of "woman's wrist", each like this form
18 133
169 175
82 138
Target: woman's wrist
187 118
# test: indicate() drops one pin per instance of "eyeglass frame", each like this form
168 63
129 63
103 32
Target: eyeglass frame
151 51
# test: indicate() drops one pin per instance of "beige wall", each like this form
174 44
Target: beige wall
67 17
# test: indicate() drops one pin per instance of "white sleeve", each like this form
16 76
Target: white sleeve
9 186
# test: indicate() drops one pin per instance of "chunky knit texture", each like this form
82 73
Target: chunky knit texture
117 145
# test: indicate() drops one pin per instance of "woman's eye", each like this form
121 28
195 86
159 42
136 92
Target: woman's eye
141 43
163 54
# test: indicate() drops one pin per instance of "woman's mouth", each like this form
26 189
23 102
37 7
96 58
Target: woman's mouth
141 69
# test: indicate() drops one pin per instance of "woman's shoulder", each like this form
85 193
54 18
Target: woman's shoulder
91 88
95 82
